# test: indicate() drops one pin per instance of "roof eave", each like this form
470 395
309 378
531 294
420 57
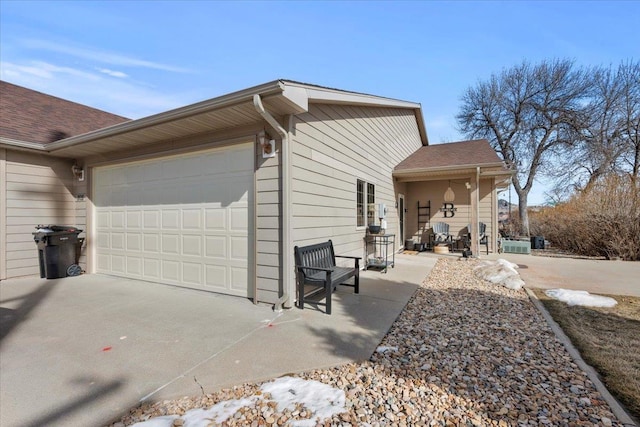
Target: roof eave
273 87
415 171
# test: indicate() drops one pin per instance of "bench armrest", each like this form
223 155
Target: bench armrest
314 268
346 256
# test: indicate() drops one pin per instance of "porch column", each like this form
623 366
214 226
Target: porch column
475 205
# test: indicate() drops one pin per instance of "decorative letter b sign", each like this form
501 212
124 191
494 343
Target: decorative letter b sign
448 209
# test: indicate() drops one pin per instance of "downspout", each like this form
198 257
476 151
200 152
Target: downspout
286 206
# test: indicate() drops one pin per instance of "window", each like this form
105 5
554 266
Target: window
365 203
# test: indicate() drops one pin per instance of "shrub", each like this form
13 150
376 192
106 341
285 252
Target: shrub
603 221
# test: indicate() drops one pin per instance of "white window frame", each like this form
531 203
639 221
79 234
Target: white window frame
365 215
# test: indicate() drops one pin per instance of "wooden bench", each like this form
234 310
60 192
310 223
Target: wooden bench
316 269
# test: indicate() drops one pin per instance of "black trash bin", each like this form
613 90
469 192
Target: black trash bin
537 242
58 250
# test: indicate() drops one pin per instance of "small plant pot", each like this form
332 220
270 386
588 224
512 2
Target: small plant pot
441 249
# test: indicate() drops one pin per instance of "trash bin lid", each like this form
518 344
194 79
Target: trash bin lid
49 229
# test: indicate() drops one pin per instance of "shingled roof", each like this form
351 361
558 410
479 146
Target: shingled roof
463 154
30 116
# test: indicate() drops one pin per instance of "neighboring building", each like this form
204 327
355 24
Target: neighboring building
215 195
35 186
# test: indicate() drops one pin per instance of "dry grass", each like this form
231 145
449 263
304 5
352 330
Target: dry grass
609 340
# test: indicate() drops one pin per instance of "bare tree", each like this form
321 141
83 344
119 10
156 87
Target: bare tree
528 113
629 74
607 141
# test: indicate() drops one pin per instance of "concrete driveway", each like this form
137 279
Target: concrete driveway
81 351
594 276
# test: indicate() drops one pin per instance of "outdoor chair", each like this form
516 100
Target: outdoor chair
483 237
441 234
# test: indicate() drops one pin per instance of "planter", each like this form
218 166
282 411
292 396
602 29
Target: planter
441 249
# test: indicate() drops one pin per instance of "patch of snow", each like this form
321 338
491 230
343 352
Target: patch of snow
164 421
384 349
322 400
582 298
218 413
500 272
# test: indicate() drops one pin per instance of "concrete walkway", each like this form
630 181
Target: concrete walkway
83 350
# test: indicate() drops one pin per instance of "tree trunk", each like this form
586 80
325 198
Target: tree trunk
523 212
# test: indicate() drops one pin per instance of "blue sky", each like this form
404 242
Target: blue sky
140 58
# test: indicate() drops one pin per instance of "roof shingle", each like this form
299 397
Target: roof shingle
30 116
463 153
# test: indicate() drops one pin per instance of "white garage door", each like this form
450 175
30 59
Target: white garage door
183 220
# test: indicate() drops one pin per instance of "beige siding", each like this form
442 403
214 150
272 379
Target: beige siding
3 213
268 227
334 146
39 190
433 191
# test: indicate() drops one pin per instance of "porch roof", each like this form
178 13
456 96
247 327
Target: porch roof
456 159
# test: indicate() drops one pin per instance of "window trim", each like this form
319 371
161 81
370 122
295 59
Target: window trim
365 197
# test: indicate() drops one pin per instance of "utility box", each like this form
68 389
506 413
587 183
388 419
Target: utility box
58 250
516 247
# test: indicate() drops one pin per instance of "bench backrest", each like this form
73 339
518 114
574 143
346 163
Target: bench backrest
317 255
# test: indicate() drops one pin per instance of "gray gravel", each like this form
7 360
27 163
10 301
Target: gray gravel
463 352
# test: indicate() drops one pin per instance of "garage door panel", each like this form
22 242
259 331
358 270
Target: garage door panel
170 219
117 241
171 244
133 175
151 242
182 220
170 271
134 219
215 219
118 263
192 219
192 273
102 241
102 219
192 245
151 268
134 266
216 246
239 218
239 248
238 278
134 242
151 219
103 262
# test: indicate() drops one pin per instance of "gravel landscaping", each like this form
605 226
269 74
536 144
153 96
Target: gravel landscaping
464 352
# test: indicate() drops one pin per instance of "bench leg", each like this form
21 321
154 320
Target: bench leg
329 290
300 295
356 282
357 278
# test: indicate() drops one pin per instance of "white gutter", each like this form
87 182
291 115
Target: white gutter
286 207
14 143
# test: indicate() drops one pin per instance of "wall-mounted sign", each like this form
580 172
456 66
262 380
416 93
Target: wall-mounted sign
448 209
